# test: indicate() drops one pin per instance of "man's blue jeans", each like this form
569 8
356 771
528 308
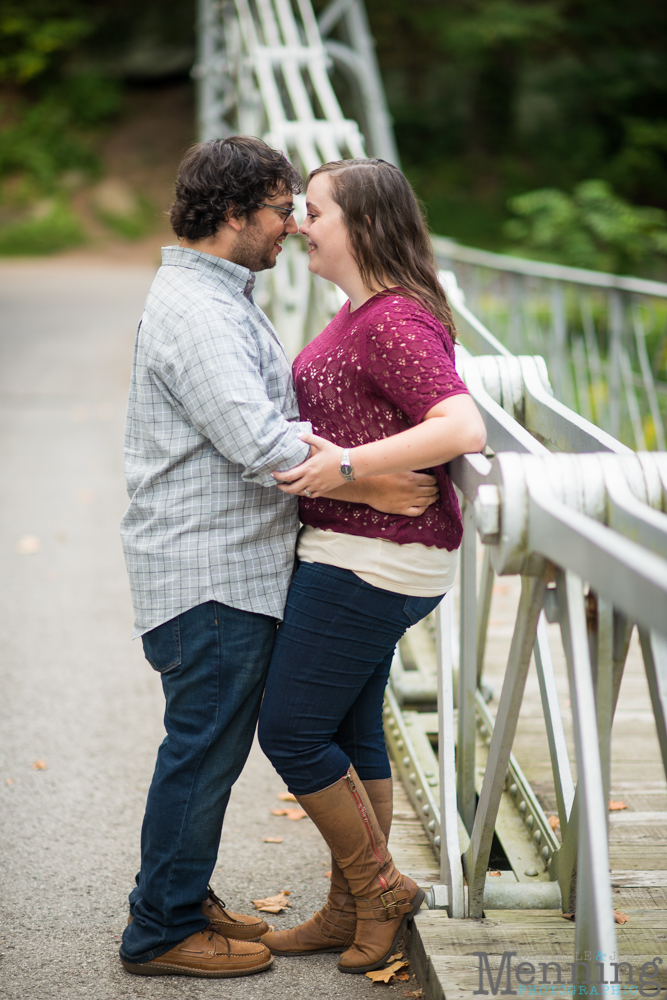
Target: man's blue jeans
322 707
213 660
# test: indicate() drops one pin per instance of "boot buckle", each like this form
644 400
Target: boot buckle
390 903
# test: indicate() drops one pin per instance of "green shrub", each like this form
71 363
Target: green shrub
57 229
592 228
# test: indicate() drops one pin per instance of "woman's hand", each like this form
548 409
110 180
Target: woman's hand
318 474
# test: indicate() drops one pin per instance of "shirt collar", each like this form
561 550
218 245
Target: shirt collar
232 274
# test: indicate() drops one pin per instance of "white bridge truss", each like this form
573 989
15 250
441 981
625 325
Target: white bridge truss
579 516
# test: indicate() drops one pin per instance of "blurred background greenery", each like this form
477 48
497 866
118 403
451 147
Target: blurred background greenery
530 126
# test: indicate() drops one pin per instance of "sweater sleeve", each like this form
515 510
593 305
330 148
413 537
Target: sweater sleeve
410 358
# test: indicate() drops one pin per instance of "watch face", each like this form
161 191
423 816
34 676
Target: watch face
346 470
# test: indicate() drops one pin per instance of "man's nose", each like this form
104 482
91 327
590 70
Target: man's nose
291 226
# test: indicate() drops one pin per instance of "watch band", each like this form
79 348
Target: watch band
346 470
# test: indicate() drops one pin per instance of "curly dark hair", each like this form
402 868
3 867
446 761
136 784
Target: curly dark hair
227 175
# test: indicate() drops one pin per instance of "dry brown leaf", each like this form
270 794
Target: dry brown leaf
272 840
286 797
569 916
272 904
403 976
327 874
554 822
620 918
290 813
413 993
39 765
396 956
385 975
494 874
616 806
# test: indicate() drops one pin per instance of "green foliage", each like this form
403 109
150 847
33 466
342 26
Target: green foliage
56 228
492 98
592 228
32 40
46 138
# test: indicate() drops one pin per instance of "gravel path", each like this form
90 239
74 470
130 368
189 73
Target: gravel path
77 695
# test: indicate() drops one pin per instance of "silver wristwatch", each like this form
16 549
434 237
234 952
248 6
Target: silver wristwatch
346 470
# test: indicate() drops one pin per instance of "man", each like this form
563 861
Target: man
209 539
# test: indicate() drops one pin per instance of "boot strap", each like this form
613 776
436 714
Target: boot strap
386 907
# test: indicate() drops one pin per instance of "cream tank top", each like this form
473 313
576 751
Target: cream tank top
414 569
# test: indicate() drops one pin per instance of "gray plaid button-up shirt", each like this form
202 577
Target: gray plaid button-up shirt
212 411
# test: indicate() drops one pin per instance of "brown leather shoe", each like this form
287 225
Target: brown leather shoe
384 898
207 954
238 926
332 928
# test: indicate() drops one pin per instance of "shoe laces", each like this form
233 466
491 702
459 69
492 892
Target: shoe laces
211 930
221 903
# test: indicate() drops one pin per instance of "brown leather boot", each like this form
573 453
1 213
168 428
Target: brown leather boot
384 898
207 954
332 929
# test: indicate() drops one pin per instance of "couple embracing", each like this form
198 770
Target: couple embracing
226 451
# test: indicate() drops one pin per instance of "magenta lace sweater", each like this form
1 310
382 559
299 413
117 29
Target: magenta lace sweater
371 374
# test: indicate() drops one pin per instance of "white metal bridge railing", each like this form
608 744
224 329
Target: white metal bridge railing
557 501
587 533
604 335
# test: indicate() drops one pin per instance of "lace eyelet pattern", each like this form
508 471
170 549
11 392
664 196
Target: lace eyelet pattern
368 375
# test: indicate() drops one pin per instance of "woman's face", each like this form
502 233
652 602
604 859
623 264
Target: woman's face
326 233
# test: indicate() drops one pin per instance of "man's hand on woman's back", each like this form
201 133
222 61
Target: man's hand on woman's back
405 493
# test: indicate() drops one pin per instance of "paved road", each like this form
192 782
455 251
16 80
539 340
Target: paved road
76 693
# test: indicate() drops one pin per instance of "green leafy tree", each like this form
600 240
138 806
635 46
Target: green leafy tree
592 228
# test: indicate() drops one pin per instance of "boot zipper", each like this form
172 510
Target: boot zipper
369 828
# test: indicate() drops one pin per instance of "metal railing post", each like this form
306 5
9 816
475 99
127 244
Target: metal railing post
465 762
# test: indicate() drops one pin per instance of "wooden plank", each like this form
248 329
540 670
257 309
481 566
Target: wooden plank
630 878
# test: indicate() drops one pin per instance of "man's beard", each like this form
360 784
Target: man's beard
253 249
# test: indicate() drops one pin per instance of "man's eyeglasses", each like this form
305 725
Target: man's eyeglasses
285 212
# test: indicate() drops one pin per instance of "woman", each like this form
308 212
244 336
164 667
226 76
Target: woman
380 388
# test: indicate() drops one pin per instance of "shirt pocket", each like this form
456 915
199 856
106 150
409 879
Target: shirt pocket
162 646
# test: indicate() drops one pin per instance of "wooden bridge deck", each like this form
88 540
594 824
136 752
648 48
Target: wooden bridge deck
443 948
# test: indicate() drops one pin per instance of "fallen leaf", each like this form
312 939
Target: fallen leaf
495 874
620 918
9 781
287 797
396 956
327 874
28 545
296 814
290 813
39 765
272 904
569 916
403 976
272 840
554 822
616 806
385 975
413 993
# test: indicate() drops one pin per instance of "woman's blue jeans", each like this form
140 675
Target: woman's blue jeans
322 707
213 661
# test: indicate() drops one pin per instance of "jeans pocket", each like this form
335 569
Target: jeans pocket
416 608
162 646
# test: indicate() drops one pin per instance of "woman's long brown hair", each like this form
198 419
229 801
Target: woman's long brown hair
388 236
